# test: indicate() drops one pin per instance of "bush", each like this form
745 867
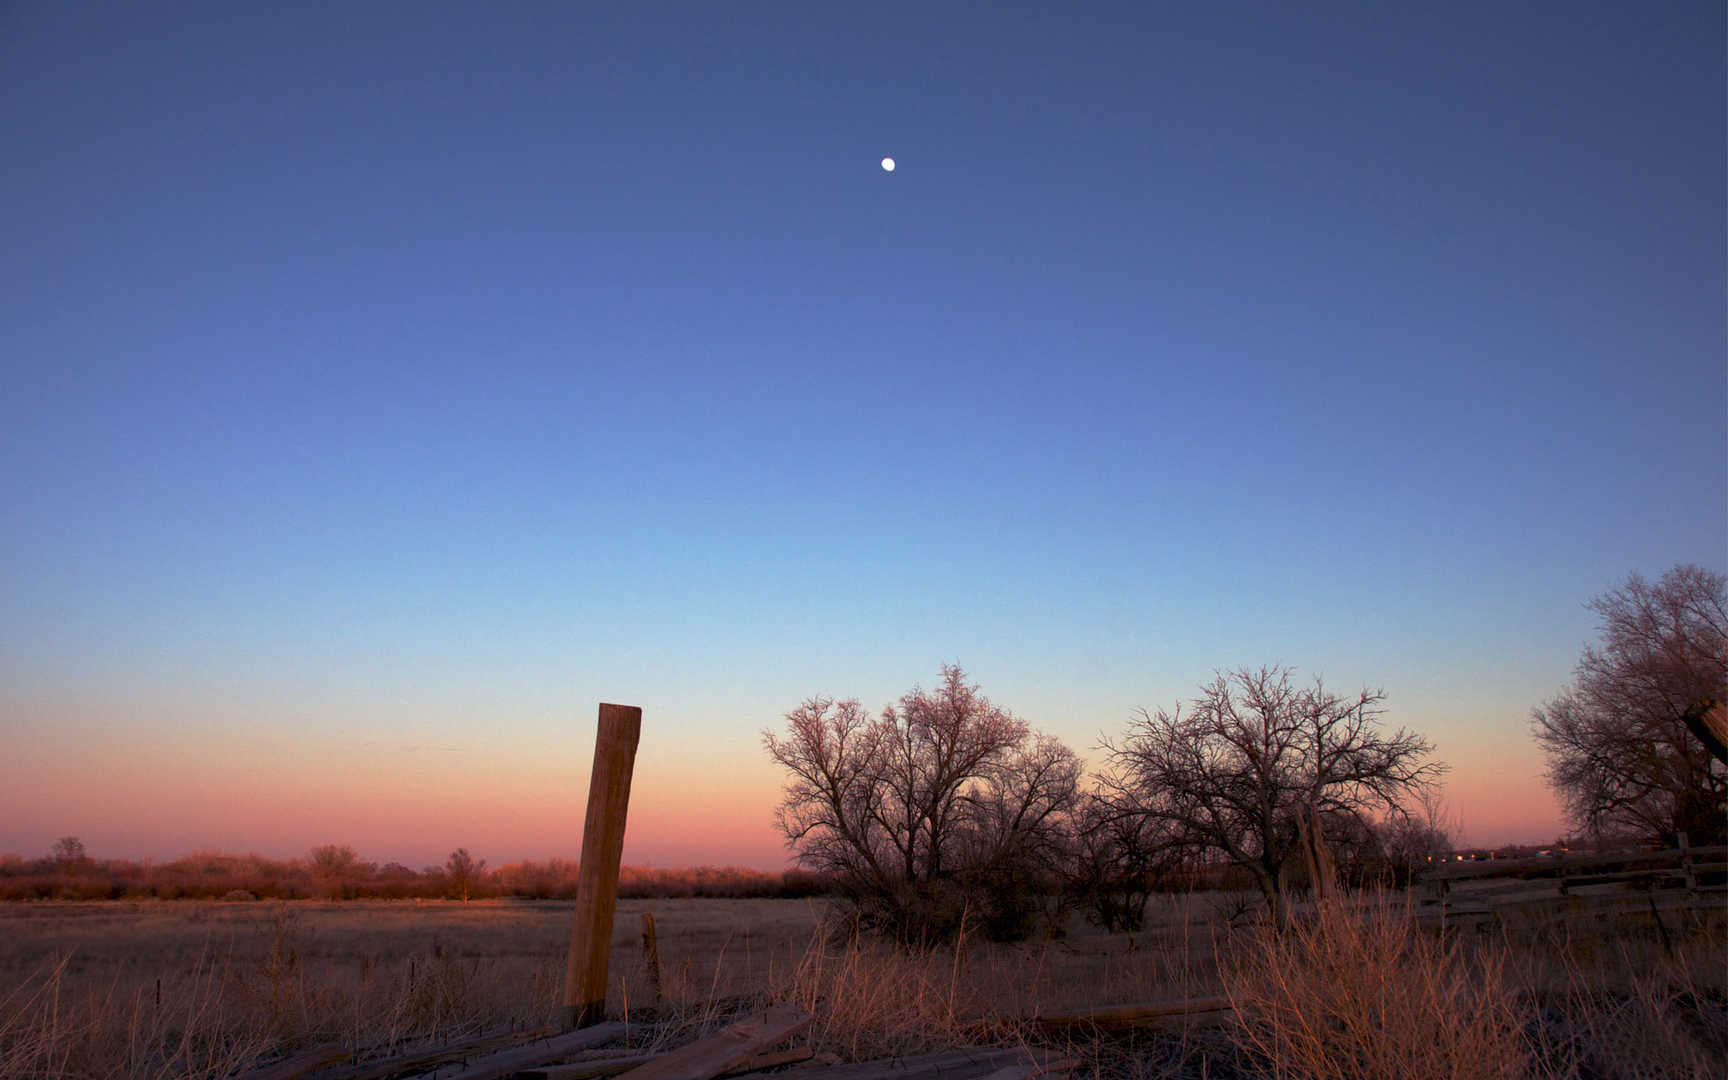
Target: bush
1365 994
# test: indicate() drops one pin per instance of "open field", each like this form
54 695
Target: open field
208 988
509 955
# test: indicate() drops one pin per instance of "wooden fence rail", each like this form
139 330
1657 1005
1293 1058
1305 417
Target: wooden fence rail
1561 866
1509 892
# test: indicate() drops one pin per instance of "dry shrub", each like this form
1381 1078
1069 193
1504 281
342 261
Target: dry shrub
870 999
876 1000
1363 994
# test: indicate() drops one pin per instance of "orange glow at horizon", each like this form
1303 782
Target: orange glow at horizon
131 794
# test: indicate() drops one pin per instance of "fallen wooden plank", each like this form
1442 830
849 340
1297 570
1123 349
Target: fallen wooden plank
1029 1071
418 1061
300 1064
771 1061
708 1058
508 1062
585 1070
818 1063
1107 1018
796 1055
945 1065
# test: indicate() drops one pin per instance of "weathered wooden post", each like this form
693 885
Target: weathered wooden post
1687 873
651 953
602 851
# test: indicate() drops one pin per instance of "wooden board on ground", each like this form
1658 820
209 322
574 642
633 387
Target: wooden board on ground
418 1061
946 1065
816 1063
301 1064
1029 1071
708 1058
1108 1018
513 1061
588 1070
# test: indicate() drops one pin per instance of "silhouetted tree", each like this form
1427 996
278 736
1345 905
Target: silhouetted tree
68 855
1018 833
1254 756
1412 842
464 872
904 811
1619 750
1119 857
330 864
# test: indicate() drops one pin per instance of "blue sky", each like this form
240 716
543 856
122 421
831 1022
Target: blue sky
388 376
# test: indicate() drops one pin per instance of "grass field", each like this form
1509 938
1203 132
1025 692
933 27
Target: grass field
208 988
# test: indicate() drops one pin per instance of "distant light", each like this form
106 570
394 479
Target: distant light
887 164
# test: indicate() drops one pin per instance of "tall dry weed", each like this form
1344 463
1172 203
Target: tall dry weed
869 998
1363 994
872 999
184 1025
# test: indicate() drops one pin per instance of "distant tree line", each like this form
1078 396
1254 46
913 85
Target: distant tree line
337 872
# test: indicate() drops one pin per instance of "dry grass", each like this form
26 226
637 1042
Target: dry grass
203 990
207 989
1631 1005
1358 993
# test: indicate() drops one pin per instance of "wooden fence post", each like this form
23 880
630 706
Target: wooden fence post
651 953
1688 874
602 851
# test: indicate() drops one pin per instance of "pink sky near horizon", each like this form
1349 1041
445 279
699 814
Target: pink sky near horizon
700 796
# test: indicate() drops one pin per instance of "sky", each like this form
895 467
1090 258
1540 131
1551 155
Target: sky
383 386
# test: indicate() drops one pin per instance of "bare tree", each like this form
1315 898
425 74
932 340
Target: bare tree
1020 810
69 856
1620 750
1255 755
831 814
1018 836
1118 859
464 872
330 864
1413 841
901 808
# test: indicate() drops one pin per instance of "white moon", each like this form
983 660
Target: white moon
887 164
